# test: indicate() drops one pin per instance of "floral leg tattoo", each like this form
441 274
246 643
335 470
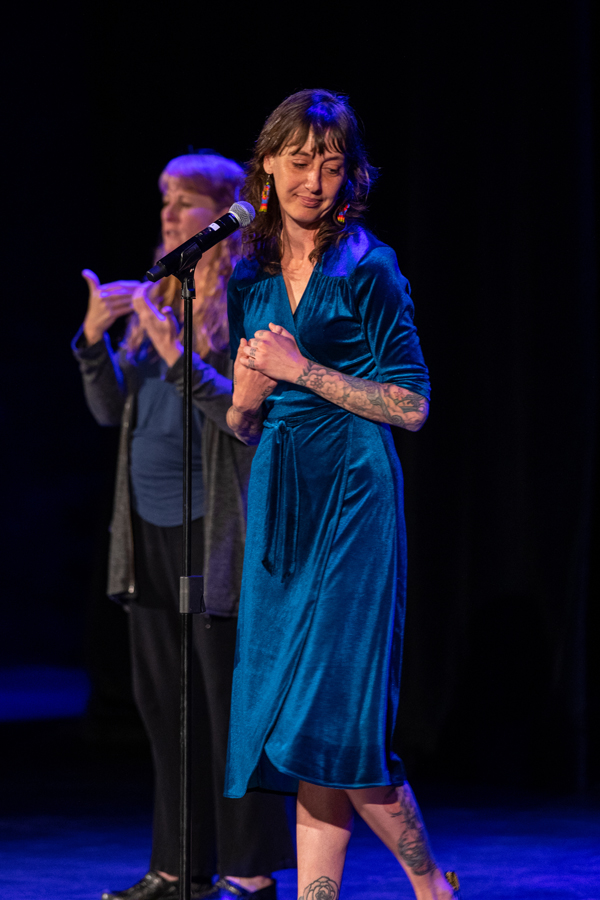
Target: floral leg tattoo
321 889
413 844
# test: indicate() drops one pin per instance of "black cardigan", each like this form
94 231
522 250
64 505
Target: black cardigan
110 387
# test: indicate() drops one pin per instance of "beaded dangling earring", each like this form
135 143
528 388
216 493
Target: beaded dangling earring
264 197
341 216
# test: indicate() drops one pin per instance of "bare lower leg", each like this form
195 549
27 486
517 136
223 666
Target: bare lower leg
394 816
323 828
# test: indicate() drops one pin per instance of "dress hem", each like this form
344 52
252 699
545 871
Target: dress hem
335 786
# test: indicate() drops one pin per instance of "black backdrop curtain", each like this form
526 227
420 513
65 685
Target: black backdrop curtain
480 121
499 235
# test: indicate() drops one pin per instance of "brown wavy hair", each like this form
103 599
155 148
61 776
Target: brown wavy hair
221 179
332 122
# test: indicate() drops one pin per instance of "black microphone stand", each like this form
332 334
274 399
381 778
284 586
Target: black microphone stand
191 594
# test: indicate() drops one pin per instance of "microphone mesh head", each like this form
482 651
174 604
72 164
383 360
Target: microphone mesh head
243 211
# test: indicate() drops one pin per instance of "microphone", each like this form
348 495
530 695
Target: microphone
187 254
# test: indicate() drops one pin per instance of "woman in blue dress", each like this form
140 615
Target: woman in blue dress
327 358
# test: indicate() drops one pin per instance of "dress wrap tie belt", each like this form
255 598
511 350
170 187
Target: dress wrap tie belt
281 532
281 536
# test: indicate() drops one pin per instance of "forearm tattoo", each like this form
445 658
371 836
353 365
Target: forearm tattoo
247 426
413 845
321 889
378 402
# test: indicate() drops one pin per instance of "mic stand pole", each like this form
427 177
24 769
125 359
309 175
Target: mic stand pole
191 595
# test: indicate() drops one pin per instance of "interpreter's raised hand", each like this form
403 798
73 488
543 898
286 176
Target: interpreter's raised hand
160 325
250 387
106 303
274 353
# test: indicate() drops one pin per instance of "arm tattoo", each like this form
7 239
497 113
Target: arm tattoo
321 889
247 426
378 402
413 844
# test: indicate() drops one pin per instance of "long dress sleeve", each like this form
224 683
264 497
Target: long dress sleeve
104 382
211 390
386 311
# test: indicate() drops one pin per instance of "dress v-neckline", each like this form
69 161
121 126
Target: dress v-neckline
303 295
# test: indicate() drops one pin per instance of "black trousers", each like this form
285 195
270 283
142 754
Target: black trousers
244 837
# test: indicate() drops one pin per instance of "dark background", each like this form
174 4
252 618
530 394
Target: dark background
479 117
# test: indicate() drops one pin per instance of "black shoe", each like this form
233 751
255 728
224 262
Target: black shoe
152 887
228 890
204 890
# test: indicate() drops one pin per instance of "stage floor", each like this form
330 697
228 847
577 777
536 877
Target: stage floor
75 820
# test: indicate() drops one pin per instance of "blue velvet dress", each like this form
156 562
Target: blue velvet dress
320 625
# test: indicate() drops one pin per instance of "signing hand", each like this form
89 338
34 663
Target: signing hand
106 303
160 325
274 353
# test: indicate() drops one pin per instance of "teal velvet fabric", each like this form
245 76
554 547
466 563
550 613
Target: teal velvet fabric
317 672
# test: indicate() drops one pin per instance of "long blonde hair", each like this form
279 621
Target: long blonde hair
221 179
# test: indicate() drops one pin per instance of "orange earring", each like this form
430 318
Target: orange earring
341 216
264 197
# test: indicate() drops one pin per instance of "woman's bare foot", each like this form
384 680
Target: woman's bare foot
251 884
166 876
433 886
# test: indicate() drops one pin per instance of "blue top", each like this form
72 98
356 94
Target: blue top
157 448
